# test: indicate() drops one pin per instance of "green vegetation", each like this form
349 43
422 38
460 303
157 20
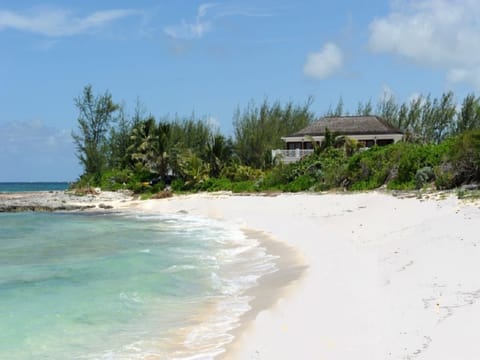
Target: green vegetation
258 129
149 155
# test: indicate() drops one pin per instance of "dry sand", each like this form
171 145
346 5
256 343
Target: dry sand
386 278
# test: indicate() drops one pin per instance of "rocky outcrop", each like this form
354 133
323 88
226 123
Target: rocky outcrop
60 201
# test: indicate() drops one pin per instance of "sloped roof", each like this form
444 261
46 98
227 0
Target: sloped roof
348 125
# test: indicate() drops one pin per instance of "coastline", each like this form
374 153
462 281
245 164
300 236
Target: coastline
291 268
368 275
387 277
55 200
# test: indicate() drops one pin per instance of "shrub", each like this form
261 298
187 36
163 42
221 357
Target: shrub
464 155
236 172
301 183
115 179
214 184
369 169
423 176
178 185
279 176
444 176
394 165
331 171
244 187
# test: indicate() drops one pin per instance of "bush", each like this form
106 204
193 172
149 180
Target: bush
115 179
279 176
369 169
244 187
330 172
395 165
178 185
423 176
214 184
236 172
301 183
464 156
444 176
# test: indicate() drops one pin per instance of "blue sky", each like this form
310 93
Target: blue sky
210 57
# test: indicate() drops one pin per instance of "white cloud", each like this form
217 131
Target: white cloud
33 151
193 30
441 34
207 14
25 136
59 22
325 63
188 30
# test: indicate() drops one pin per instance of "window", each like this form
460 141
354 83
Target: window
369 143
384 142
294 145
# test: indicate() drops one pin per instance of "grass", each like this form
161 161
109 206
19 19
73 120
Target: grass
468 194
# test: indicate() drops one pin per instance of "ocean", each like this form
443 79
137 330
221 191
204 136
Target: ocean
8 187
91 286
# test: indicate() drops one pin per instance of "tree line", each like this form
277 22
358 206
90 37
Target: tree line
118 150
137 148
424 119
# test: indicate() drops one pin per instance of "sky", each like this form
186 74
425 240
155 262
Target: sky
209 58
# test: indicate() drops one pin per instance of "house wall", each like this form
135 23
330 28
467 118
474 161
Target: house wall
369 140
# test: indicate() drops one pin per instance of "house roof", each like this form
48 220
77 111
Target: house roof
348 125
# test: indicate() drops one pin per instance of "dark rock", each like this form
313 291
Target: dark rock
104 206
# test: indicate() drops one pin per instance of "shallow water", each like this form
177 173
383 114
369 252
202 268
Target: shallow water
8 187
122 287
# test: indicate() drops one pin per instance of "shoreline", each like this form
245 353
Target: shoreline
56 200
290 263
387 277
291 268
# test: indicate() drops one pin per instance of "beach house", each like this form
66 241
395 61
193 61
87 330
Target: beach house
367 130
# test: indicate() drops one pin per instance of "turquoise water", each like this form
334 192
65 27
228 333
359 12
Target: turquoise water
122 287
7 187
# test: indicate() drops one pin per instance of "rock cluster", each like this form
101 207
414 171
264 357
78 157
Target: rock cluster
60 201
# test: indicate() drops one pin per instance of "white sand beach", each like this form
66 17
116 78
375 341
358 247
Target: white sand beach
386 278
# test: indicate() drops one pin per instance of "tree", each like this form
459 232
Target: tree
443 117
339 109
119 142
96 114
190 133
469 116
365 109
150 145
218 152
192 169
387 108
258 129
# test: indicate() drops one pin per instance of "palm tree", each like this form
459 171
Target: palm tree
218 152
192 168
150 146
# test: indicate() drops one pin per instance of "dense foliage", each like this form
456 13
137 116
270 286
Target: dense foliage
258 129
145 154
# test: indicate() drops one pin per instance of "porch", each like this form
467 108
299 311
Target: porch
290 155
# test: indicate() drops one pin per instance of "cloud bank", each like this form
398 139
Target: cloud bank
59 22
442 34
33 151
325 63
